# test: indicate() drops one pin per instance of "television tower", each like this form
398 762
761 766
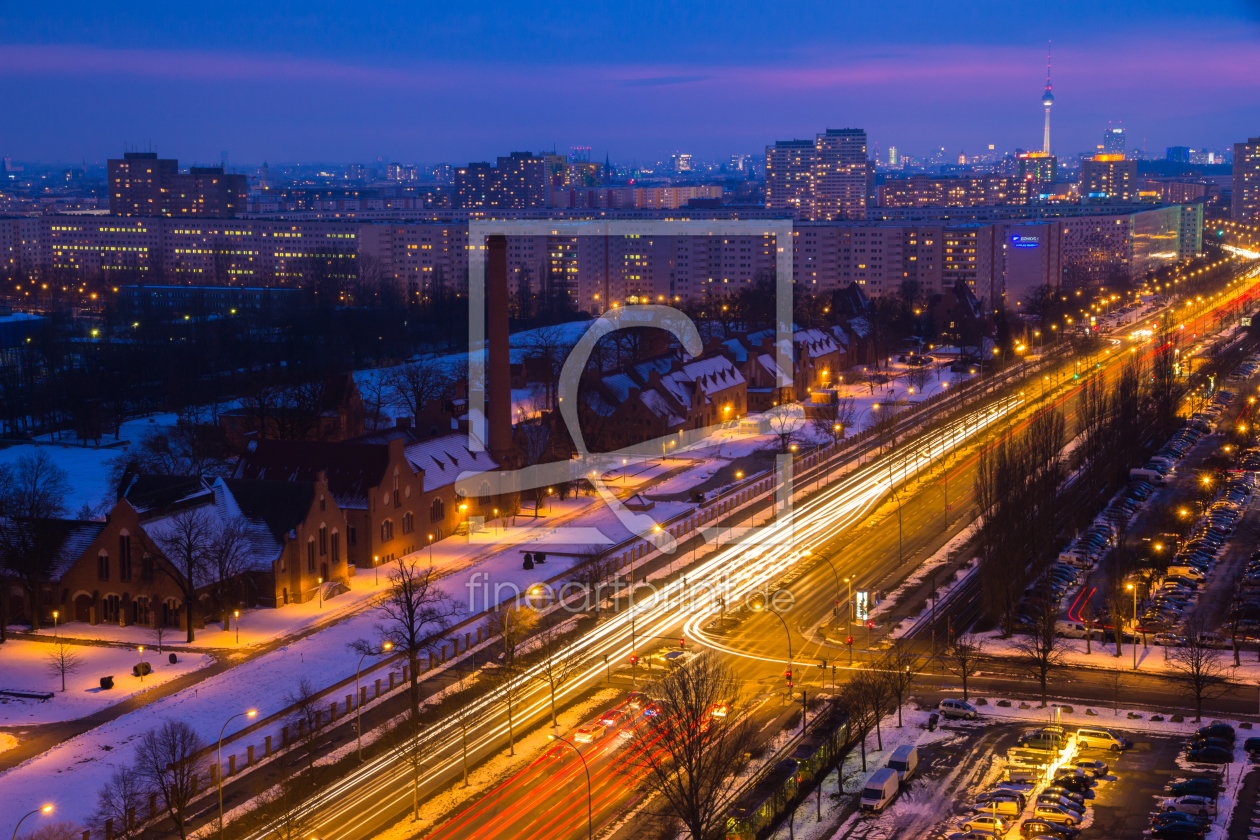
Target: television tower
1047 99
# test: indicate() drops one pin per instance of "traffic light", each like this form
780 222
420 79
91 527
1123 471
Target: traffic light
634 659
788 676
682 643
849 641
870 625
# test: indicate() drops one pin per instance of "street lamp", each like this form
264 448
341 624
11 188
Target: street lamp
236 614
141 650
590 820
47 809
1133 642
430 548
55 614
319 587
768 608
358 694
219 770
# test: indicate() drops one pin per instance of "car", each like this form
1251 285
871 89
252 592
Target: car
1056 814
1200 743
977 834
637 700
1252 745
615 717
1198 805
719 710
652 710
1054 799
1174 818
957 709
1003 793
998 825
1180 831
1059 790
1093 766
1070 772
1217 730
1210 755
1034 827
587 734
1076 784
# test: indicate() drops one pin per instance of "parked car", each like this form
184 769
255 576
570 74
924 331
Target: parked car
1223 731
950 708
1210 755
1093 766
1035 827
1197 805
1198 786
1056 814
999 825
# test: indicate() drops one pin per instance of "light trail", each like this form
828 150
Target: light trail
349 808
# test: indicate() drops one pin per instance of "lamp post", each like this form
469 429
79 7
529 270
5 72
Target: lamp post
219 758
430 548
141 649
236 614
786 632
590 820
832 566
47 809
1133 641
319 587
55 614
358 695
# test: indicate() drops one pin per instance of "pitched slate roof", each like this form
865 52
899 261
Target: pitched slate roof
69 538
445 458
280 505
149 492
658 405
352 469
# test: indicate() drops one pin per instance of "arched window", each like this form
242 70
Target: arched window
124 555
102 566
336 547
310 554
323 539
437 511
408 522
387 530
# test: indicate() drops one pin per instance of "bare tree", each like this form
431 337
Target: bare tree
899 665
1041 651
511 626
304 718
60 830
918 377
785 424
117 802
1198 667
186 542
33 494
873 690
535 444
560 660
546 349
62 660
411 387
466 715
685 756
374 387
404 735
1115 680
417 613
282 807
167 764
834 417
963 657
227 559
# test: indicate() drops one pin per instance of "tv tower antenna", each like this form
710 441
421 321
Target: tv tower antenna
1047 99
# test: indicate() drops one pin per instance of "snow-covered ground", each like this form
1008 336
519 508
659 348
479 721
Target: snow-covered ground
26 665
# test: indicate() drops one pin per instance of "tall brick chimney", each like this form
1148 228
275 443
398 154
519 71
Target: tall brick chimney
498 370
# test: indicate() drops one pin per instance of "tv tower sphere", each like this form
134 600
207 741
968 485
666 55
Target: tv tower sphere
1047 98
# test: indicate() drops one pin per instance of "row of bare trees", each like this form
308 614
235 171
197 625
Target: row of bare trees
1018 481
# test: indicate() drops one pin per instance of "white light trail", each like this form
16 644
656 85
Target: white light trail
349 807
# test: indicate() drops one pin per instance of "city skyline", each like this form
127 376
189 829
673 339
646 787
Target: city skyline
265 85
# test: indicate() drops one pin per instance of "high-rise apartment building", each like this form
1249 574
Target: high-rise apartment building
520 182
1109 178
824 180
1113 141
840 174
1246 199
1177 154
790 176
142 185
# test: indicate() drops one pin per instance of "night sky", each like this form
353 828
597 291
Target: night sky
453 82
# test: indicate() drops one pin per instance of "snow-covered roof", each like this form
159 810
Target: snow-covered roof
595 402
69 538
817 343
737 349
619 385
445 458
781 378
860 327
658 405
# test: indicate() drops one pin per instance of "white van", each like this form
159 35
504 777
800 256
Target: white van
1101 739
1146 475
1187 571
904 760
1017 773
1076 559
880 788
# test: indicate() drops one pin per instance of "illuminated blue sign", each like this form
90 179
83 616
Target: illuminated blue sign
1021 241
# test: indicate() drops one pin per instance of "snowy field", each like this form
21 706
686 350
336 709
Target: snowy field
25 666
